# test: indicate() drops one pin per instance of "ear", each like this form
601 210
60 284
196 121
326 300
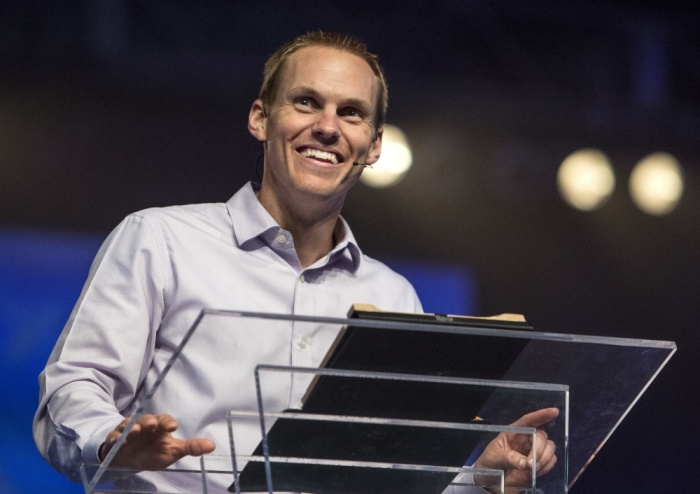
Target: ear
375 149
257 121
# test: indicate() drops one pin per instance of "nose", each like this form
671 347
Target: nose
327 128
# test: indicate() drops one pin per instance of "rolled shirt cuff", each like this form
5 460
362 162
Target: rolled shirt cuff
92 447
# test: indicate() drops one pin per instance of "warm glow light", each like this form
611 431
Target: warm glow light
395 160
586 179
656 183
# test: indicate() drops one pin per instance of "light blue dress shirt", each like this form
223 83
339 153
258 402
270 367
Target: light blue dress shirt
150 279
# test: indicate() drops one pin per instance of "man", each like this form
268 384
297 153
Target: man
282 248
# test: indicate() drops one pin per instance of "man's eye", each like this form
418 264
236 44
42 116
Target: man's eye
304 102
352 113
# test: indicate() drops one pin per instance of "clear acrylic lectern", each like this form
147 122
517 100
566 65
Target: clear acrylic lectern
410 412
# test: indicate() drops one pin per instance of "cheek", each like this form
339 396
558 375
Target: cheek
354 135
275 138
286 134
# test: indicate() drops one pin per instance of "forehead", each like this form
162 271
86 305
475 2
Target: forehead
331 72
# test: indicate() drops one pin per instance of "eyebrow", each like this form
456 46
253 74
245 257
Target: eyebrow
358 102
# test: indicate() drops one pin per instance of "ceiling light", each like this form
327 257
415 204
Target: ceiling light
586 179
656 184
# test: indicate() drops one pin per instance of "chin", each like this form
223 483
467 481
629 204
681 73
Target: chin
318 184
323 188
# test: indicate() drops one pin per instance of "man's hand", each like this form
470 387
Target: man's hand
150 444
513 452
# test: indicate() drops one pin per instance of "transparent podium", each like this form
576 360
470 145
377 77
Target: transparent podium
349 406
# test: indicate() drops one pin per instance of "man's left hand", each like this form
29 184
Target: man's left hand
513 453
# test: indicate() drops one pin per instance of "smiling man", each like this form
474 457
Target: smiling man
281 247
322 118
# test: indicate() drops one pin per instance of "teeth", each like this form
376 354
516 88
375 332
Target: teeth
322 155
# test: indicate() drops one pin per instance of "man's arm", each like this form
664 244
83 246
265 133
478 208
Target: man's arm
105 349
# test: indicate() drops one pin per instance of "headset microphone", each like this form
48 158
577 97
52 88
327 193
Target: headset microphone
355 163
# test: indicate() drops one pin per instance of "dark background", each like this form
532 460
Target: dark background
114 106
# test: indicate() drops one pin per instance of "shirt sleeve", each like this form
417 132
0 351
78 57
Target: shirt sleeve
104 352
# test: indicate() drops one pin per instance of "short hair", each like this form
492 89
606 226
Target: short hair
275 65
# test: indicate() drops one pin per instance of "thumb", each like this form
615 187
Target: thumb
198 447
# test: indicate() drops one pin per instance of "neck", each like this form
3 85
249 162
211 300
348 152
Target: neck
310 219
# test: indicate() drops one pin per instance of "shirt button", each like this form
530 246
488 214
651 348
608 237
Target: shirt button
281 239
301 278
303 344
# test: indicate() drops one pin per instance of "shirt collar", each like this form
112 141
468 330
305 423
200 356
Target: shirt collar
347 245
252 222
249 218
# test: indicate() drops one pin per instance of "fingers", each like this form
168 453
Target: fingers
165 422
514 452
149 423
537 418
150 444
546 459
115 434
154 423
541 442
544 455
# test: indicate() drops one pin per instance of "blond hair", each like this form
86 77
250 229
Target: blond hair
275 64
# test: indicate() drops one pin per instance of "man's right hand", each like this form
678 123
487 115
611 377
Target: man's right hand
150 444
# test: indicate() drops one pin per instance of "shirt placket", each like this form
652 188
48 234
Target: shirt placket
302 341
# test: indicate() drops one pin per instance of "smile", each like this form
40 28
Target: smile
327 156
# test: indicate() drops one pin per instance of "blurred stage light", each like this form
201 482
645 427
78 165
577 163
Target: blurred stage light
586 179
656 184
395 160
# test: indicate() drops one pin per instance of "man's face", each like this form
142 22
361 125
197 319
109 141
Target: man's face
321 122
